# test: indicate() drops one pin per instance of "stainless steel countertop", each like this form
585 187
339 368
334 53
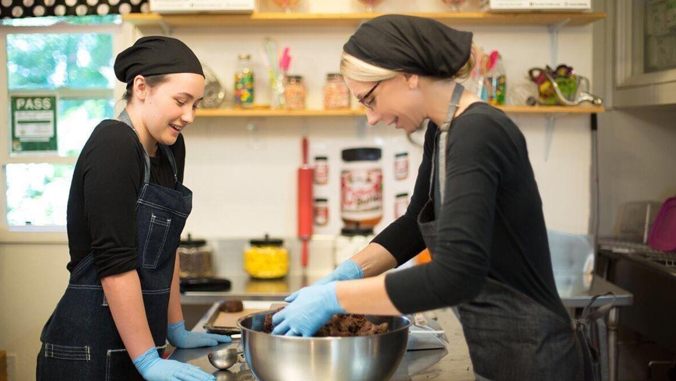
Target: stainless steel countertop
575 290
452 363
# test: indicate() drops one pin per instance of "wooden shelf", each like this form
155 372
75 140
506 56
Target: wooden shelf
354 19
262 113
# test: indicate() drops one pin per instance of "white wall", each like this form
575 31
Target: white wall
241 191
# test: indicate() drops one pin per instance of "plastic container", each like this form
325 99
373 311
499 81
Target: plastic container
361 187
266 258
663 233
351 241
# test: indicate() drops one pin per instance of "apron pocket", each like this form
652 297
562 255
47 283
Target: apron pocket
119 367
157 237
66 352
63 362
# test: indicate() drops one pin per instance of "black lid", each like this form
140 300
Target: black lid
267 241
321 158
294 78
192 242
362 154
402 195
352 231
401 154
321 199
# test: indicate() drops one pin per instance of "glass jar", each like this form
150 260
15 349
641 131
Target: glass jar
336 93
294 92
361 187
321 211
244 82
266 258
321 170
195 258
401 166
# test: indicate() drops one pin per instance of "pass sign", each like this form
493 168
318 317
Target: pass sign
33 123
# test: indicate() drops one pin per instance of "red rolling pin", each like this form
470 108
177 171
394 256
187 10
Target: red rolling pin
305 177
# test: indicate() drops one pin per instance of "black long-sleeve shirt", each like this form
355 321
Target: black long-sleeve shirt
106 183
491 222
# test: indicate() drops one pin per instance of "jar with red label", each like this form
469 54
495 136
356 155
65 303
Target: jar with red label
321 170
401 166
361 187
401 204
321 211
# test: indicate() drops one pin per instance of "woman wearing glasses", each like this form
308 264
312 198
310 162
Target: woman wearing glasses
476 206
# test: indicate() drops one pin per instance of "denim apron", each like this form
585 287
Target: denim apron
80 341
510 336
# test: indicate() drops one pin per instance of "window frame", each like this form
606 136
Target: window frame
123 35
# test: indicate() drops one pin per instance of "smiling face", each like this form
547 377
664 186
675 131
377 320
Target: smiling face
170 106
396 101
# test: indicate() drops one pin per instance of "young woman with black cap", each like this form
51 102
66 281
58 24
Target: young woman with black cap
126 210
476 206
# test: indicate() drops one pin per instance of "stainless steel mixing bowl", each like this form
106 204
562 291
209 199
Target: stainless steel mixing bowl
283 358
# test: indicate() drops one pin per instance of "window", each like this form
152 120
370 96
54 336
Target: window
74 64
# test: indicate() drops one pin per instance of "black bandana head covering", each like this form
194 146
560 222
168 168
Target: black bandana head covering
155 55
409 44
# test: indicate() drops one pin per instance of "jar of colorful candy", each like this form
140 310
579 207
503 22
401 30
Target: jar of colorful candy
336 93
294 92
244 82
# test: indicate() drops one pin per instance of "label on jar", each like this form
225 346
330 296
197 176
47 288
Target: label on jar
401 204
321 212
361 194
401 166
321 170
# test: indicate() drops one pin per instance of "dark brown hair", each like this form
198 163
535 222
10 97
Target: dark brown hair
151 81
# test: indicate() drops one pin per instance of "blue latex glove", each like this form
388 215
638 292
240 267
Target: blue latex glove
347 270
180 338
313 307
153 368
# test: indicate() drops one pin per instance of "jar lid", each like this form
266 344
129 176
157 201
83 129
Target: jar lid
192 242
321 200
244 56
362 154
334 76
400 154
401 195
296 78
321 158
267 241
356 231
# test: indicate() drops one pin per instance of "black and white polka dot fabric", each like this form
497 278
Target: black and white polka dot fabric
39 8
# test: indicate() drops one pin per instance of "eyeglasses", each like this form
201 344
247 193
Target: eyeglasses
364 101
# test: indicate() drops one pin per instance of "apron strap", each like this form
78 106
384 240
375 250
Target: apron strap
124 117
443 139
167 152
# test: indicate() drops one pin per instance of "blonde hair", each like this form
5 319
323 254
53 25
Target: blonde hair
357 70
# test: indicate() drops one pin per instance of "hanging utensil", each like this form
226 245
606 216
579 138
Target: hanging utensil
305 178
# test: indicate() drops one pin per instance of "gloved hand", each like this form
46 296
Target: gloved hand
347 270
180 338
313 307
153 368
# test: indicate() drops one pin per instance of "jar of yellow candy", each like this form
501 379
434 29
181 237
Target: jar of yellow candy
266 258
